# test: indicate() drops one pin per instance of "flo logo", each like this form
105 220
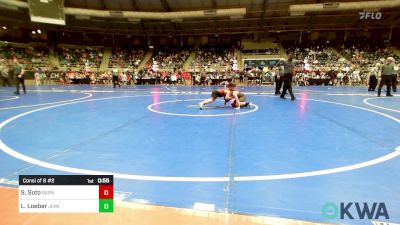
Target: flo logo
355 210
370 15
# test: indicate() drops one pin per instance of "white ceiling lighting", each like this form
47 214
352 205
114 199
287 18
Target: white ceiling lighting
33 32
342 6
82 17
330 5
133 14
116 13
9 7
39 31
297 13
4 27
211 12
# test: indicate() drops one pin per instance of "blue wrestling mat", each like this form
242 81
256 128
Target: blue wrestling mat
278 158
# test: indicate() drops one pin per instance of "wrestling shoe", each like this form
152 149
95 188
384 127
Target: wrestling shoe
249 105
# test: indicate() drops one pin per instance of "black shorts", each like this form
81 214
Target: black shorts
288 76
215 94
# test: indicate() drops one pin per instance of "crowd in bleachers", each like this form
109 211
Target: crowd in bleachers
170 58
148 76
80 57
30 57
352 66
319 61
124 58
213 58
368 56
269 51
126 77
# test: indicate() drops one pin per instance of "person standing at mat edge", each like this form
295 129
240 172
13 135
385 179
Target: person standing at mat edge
394 76
372 81
288 72
4 70
19 76
386 76
115 77
278 79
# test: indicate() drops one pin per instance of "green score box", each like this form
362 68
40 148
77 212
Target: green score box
106 205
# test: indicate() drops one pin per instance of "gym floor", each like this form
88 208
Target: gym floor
280 158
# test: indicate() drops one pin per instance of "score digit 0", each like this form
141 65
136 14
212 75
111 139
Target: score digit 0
106 192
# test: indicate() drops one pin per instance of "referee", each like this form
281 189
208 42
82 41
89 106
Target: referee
386 76
288 71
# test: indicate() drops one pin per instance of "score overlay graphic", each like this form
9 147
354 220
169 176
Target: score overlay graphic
66 193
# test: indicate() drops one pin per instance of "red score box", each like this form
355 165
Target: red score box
106 192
